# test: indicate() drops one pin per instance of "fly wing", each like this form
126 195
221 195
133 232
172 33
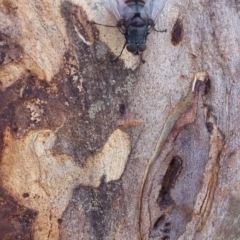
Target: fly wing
118 9
152 8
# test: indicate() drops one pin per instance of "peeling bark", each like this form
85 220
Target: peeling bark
72 166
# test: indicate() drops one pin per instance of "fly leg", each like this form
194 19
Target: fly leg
120 27
91 22
141 58
155 30
151 26
116 58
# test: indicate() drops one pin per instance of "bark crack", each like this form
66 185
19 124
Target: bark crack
205 197
183 114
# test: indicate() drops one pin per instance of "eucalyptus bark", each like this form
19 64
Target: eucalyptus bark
95 149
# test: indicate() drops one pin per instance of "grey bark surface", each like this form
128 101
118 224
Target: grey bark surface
94 149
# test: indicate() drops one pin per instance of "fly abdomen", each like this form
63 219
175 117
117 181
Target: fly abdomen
136 34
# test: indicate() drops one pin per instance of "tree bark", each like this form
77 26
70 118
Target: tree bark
95 149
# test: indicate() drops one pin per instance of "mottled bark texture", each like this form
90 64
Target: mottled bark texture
70 165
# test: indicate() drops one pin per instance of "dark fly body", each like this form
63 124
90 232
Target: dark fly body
135 19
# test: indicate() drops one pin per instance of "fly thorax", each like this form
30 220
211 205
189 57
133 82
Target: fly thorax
136 35
136 39
137 22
